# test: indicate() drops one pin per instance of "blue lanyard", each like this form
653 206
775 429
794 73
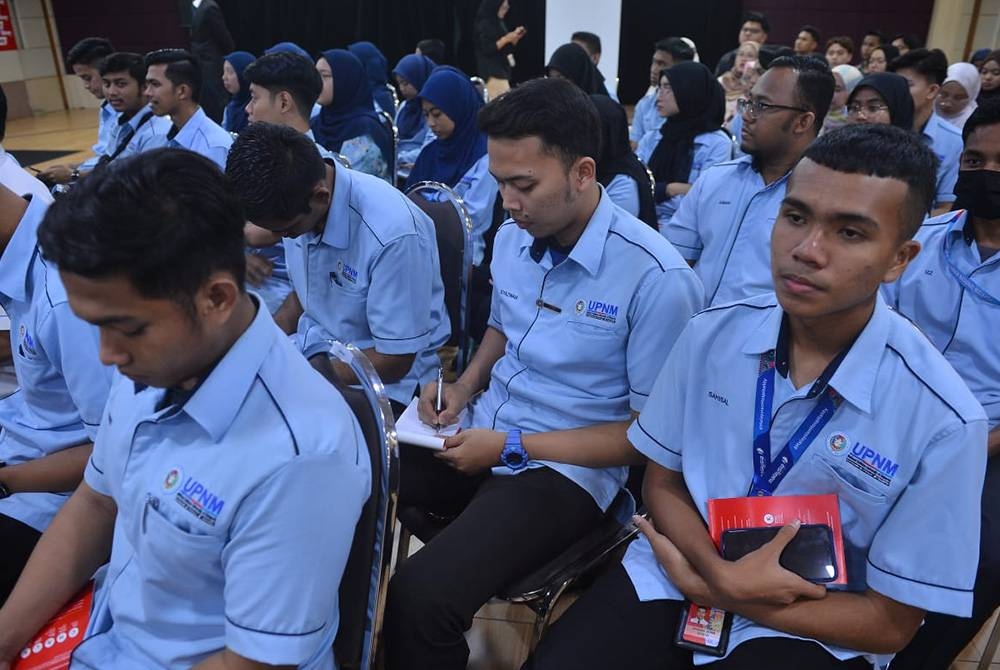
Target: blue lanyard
965 280
767 472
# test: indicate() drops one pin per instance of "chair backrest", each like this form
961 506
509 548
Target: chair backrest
481 87
395 98
390 125
366 576
342 160
453 227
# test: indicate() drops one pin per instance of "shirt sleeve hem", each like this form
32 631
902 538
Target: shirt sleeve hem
926 596
273 648
652 448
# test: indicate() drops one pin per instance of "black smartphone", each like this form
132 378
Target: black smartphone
810 554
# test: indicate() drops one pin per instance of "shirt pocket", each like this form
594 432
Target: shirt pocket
861 509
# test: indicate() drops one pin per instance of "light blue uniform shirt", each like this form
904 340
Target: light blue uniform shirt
709 149
724 225
478 190
63 385
645 118
409 148
203 136
624 192
107 123
372 278
236 513
623 295
945 140
908 481
961 324
152 133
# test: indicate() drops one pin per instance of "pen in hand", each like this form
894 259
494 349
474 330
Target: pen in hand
438 403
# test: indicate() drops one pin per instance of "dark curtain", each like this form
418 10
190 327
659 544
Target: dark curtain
131 26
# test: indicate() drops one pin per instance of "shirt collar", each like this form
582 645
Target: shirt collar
337 232
183 135
589 249
138 116
15 263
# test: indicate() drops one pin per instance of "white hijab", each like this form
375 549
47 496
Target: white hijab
967 76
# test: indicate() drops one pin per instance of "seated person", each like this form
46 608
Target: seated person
571 61
411 73
347 123
431 47
234 116
48 426
123 76
884 98
222 459
644 132
12 175
362 257
839 381
587 301
376 70
619 171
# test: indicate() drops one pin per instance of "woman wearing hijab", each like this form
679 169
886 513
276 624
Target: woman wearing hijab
692 139
883 97
880 58
571 61
495 45
411 74
733 82
621 173
234 116
347 123
845 78
376 69
957 99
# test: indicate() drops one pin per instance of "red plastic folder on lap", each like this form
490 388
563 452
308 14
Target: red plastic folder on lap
766 511
52 647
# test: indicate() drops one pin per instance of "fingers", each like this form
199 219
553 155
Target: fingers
455 441
784 536
425 407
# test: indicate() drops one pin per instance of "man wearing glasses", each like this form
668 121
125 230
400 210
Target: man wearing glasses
723 225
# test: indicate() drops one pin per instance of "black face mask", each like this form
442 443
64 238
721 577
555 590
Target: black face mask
979 192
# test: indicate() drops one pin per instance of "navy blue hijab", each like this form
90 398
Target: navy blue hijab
350 114
415 69
377 71
450 90
236 110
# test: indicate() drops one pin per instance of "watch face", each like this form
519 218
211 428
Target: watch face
514 458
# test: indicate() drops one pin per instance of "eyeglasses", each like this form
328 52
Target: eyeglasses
754 109
870 109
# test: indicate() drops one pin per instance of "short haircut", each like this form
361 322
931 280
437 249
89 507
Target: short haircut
273 170
757 17
89 51
877 33
123 61
885 151
284 71
166 219
814 84
909 39
590 40
842 40
433 48
812 30
3 114
986 114
182 68
554 110
676 47
932 64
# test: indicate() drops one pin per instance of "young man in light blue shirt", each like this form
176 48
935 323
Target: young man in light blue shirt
818 389
49 424
587 301
362 257
227 476
723 224
644 133
123 76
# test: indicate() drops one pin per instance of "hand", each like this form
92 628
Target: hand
454 398
473 451
258 269
683 575
259 237
56 174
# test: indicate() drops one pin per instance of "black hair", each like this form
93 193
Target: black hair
3 114
676 47
89 51
182 68
880 150
591 40
123 61
433 48
814 84
986 114
842 40
877 33
557 111
813 31
757 17
273 170
932 64
909 39
166 219
283 71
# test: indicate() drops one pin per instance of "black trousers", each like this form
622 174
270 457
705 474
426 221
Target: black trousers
18 541
608 627
510 525
942 638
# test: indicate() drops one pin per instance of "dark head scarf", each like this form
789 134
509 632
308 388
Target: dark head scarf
573 62
376 69
618 158
895 91
236 112
351 113
290 48
415 69
702 105
450 90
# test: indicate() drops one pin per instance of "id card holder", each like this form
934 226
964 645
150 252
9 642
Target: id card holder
703 629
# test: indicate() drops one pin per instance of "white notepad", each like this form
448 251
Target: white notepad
411 430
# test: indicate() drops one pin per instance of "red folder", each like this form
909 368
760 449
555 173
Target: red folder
52 647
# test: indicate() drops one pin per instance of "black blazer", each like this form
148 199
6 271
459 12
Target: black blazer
210 39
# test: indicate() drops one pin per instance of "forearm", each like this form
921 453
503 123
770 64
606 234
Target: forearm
477 375
390 367
287 316
993 442
600 446
229 660
61 471
675 514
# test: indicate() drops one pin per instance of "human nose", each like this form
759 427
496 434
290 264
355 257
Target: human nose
111 352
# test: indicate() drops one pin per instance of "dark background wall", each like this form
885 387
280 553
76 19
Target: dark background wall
130 25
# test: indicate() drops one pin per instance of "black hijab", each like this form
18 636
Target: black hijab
702 105
618 158
573 62
895 91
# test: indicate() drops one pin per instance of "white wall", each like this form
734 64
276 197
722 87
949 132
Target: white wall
602 17
950 25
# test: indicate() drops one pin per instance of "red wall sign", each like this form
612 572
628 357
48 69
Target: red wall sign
7 40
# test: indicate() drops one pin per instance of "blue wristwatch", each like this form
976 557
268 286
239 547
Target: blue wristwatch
513 455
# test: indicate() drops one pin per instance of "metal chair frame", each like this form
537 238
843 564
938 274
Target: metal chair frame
390 125
395 98
478 81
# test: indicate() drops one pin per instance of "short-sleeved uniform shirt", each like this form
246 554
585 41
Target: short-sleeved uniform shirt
945 140
585 337
63 385
646 119
724 224
107 122
143 130
17 179
709 149
236 512
372 278
201 135
905 451
478 190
